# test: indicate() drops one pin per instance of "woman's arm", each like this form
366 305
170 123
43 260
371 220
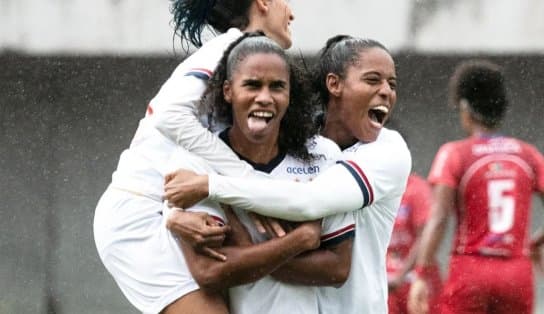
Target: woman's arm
249 263
174 110
334 191
328 266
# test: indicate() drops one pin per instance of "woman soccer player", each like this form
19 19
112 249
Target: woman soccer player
129 227
357 85
258 91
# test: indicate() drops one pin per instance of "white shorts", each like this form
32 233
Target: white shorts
139 251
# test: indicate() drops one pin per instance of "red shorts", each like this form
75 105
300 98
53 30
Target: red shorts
397 300
480 285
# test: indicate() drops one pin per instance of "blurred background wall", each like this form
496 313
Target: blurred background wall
76 76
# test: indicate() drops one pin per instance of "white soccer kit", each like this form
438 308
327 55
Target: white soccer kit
372 178
129 228
268 295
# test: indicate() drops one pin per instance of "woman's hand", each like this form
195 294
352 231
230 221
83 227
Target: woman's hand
238 235
310 233
184 188
418 297
199 230
271 226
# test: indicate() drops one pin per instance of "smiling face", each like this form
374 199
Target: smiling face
367 94
258 91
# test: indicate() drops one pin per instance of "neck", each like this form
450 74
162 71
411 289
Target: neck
480 129
261 153
335 129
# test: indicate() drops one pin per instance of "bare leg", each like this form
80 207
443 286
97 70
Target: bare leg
198 302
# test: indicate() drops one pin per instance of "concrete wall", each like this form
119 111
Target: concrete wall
65 120
142 27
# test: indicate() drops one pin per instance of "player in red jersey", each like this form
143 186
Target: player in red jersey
401 254
487 180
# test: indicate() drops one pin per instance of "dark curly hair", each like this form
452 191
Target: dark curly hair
297 127
192 16
340 52
481 84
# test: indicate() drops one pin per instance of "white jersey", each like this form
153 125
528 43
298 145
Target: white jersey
365 291
268 295
369 183
130 234
171 120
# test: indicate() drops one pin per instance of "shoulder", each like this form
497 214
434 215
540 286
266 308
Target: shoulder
202 62
390 146
320 145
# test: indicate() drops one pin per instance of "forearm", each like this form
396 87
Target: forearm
179 122
245 264
332 192
431 237
321 267
410 260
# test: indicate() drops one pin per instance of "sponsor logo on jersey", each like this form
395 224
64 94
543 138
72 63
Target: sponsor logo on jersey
303 170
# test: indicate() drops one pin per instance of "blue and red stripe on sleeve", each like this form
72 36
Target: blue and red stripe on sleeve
200 73
361 179
338 236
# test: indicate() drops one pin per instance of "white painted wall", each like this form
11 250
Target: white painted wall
142 26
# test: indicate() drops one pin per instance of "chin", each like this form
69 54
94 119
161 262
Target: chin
369 138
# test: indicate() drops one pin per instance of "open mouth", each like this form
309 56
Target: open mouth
258 120
378 114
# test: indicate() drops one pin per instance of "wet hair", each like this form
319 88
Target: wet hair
296 127
192 16
481 84
339 53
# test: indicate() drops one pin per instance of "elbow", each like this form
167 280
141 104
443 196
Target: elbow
305 210
340 276
209 279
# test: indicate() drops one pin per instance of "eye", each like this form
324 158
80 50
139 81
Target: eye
393 84
278 85
252 84
372 80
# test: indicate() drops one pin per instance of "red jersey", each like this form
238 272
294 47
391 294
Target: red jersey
495 177
412 214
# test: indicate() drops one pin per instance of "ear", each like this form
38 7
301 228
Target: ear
262 6
334 84
227 91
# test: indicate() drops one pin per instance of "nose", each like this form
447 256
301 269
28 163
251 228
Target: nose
385 89
290 13
264 97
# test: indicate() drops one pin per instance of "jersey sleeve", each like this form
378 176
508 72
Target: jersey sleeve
445 167
211 208
337 228
174 109
338 189
539 169
285 199
381 170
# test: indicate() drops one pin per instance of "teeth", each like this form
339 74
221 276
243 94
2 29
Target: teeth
382 108
262 114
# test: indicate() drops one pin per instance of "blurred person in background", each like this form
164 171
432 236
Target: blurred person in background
487 181
412 216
